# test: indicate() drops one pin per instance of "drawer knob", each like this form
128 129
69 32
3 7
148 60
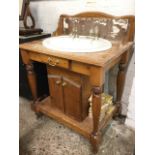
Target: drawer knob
64 84
58 82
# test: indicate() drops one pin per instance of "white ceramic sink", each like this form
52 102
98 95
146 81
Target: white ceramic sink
80 44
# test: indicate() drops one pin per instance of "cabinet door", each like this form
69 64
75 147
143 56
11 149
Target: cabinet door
56 92
72 98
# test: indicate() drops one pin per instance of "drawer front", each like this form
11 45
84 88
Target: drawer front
50 60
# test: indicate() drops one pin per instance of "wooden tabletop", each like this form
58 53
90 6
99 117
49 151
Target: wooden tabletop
95 58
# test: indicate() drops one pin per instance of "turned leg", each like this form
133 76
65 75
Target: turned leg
96 108
31 77
32 80
120 85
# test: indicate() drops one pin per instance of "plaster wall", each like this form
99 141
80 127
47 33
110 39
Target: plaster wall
46 13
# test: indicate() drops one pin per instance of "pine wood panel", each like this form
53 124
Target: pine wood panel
92 68
75 88
44 59
72 98
97 58
56 91
84 127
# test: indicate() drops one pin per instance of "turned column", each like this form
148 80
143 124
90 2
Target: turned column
120 85
121 80
97 80
30 74
32 80
96 109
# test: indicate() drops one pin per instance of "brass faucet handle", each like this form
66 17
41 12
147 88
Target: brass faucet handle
96 30
91 31
75 32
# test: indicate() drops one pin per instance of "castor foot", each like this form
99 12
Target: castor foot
118 109
95 141
38 115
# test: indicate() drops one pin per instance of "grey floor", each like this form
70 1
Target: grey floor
44 136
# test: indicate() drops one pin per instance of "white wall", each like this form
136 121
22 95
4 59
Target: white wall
130 121
46 14
128 85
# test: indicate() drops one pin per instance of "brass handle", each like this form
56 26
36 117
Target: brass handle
64 84
52 62
58 82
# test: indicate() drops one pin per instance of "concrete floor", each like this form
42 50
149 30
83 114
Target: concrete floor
44 136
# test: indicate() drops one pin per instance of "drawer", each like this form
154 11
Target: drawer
50 60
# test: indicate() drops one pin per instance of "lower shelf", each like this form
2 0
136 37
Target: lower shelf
85 127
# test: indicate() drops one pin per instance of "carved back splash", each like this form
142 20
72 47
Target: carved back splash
109 27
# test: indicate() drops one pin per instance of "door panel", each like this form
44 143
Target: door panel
72 98
56 91
72 94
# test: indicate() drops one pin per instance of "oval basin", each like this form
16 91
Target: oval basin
80 44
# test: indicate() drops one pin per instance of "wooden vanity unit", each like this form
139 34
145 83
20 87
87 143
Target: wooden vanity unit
73 77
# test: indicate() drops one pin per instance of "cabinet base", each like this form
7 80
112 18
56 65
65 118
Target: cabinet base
85 127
